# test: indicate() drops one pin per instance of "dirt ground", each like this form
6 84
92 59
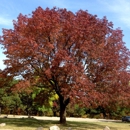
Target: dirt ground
57 118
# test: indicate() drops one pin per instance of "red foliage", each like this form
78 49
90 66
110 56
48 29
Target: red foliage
22 86
81 56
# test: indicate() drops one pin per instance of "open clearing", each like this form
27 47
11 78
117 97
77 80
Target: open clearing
57 118
25 123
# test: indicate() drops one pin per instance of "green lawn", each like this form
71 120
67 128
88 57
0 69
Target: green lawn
32 124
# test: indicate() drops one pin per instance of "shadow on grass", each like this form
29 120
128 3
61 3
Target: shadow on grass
84 125
27 122
34 123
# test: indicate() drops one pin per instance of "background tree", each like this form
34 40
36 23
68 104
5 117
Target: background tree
35 99
9 101
77 56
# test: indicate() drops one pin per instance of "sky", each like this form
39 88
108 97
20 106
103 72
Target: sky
116 11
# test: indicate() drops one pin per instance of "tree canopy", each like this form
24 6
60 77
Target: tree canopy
78 56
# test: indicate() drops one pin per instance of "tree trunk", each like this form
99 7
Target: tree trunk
62 114
63 104
0 111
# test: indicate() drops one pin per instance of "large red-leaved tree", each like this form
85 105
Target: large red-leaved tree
76 55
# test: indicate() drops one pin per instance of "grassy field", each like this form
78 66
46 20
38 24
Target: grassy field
32 124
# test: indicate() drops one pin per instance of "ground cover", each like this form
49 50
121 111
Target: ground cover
23 123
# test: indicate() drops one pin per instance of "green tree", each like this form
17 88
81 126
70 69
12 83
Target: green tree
7 98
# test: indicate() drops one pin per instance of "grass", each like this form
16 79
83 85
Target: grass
32 124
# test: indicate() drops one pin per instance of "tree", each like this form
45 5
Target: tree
12 103
8 99
75 55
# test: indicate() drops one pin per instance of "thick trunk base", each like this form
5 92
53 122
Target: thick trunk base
62 115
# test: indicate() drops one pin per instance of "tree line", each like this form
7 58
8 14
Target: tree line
24 103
